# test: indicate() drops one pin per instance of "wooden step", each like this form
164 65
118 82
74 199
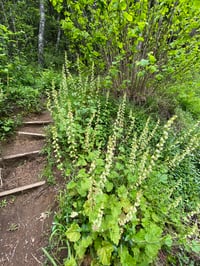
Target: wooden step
19 189
31 134
44 122
15 156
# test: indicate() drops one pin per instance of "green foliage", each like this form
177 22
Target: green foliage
126 197
46 77
138 44
6 41
6 127
21 84
22 93
187 95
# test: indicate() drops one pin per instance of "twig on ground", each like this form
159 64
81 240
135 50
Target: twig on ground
13 253
36 259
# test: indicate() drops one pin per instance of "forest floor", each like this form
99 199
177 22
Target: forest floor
25 217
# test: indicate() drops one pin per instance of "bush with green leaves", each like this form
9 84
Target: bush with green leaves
136 43
124 198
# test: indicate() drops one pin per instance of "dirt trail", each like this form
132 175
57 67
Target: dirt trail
25 217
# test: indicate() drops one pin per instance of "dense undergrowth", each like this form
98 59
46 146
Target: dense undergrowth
22 91
132 183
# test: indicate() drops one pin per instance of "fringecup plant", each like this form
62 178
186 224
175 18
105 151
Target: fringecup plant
120 205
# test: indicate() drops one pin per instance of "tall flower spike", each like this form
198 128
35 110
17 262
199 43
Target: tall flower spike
132 124
142 141
64 87
88 138
159 148
132 158
70 133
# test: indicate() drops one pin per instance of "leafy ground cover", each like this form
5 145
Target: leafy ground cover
188 95
132 183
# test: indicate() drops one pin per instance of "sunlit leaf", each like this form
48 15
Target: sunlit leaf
73 233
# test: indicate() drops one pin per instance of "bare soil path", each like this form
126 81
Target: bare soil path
25 217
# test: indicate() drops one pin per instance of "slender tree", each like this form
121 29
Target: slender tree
41 34
58 33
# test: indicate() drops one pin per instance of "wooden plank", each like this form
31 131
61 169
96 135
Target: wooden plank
38 122
14 156
20 189
31 134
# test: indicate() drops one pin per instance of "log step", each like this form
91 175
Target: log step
14 156
31 134
19 189
44 122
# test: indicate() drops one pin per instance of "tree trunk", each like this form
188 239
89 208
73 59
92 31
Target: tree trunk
58 34
41 34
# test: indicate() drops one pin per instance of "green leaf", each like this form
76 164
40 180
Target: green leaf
81 162
71 185
70 262
163 178
153 233
152 250
152 58
122 191
115 233
115 206
128 16
195 246
6 129
120 45
105 252
73 233
143 62
82 245
119 166
141 73
123 5
153 69
102 199
139 237
141 25
82 173
132 33
93 156
83 186
125 257
109 186
155 217
111 222
168 241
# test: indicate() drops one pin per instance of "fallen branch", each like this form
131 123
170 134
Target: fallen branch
19 189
